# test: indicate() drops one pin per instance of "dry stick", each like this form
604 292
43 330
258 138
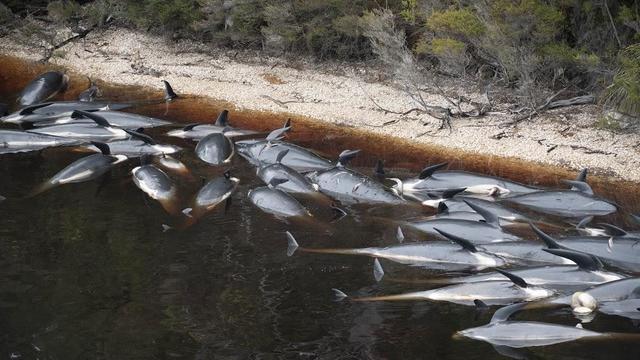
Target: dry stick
613 25
535 111
82 34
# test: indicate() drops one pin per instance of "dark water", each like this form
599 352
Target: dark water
89 274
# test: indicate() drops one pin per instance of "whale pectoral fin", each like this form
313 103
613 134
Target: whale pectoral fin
227 204
449 193
399 235
584 222
104 180
378 271
292 244
339 295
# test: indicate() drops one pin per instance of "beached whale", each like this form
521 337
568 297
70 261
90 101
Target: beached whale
438 255
621 252
432 178
577 203
214 192
87 168
519 334
215 149
350 186
265 152
277 202
500 292
155 183
297 183
198 131
99 130
478 232
19 141
43 87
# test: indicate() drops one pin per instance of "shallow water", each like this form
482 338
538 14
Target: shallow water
89 274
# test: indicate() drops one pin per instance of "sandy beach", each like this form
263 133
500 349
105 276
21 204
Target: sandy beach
342 94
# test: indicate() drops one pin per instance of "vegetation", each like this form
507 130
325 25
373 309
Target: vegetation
535 47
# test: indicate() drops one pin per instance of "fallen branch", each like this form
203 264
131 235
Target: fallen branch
81 35
551 104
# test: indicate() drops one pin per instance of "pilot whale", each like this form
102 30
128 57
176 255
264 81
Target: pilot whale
43 87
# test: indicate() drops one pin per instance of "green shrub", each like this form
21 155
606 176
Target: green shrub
461 22
447 47
623 94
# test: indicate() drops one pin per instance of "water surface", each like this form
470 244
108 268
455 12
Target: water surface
88 273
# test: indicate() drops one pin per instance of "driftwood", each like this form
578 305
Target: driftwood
80 35
551 103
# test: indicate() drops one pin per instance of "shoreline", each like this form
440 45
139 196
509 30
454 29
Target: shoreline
563 137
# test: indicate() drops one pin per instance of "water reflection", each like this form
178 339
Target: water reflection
91 274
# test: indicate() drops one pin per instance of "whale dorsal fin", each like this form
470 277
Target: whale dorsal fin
614 230
399 235
223 119
514 278
548 240
140 136
92 116
379 168
505 312
466 244
489 217
582 176
169 94
429 170
190 127
583 260
442 208
104 148
30 109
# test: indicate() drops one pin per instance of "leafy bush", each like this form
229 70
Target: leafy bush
623 94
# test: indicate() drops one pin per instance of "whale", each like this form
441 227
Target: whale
85 169
433 179
100 130
156 184
620 252
274 201
215 149
500 292
436 255
198 131
43 87
12 141
265 152
296 183
577 203
349 186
